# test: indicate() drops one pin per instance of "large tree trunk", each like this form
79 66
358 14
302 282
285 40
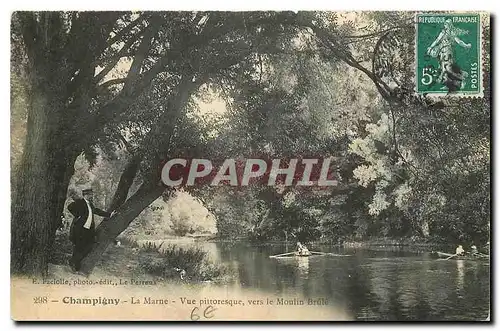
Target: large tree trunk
126 179
110 229
60 69
39 189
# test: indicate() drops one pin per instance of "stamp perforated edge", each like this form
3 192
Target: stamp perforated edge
484 22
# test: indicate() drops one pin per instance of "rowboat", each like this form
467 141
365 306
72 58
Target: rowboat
307 254
448 256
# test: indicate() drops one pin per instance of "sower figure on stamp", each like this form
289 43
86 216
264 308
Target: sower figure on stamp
452 76
82 232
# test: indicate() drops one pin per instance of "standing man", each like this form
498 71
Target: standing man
82 232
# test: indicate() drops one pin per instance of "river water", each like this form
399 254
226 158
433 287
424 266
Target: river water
390 284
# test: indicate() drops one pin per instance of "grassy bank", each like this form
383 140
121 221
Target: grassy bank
167 260
162 261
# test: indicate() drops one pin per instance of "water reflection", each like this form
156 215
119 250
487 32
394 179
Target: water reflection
371 285
303 266
460 275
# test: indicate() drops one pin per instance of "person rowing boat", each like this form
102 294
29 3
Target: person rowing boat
460 250
302 249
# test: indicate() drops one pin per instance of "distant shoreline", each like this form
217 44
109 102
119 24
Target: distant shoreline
412 243
367 243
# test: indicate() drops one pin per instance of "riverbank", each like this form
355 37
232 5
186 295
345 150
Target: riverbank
400 242
120 277
183 258
170 258
410 243
352 243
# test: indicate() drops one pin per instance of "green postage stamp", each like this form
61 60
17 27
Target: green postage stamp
448 54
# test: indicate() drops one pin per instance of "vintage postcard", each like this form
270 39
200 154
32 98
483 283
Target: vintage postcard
250 166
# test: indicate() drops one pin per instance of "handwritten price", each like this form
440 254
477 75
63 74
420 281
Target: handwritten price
208 313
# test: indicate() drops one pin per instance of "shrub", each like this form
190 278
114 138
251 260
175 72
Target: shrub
189 259
151 246
171 260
